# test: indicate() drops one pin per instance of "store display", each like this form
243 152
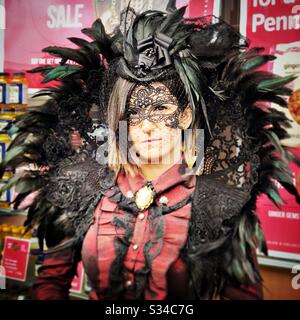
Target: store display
14 101
13 93
20 289
6 119
7 230
4 143
6 193
17 91
15 248
4 76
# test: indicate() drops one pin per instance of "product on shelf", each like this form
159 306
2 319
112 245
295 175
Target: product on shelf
15 231
17 91
4 80
5 232
4 144
13 102
7 194
6 119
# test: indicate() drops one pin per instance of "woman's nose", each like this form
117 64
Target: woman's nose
147 125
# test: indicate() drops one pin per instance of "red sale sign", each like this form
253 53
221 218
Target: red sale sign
15 258
43 23
281 228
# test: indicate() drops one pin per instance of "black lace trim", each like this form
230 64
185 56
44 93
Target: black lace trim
215 217
152 247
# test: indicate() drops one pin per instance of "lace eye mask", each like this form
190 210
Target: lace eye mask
149 102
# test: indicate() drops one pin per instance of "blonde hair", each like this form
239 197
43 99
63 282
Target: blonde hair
117 158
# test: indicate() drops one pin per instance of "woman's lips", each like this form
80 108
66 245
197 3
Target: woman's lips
151 140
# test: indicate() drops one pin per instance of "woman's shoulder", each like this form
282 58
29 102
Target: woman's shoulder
74 189
86 172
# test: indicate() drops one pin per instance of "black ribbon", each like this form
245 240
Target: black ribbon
154 52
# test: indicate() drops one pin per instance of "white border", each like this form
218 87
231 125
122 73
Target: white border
27 258
243 17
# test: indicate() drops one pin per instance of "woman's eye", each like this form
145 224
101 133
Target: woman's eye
160 108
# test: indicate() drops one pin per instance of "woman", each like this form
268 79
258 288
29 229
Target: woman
157 220
154 119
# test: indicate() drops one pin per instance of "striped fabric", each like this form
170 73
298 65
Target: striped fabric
99 241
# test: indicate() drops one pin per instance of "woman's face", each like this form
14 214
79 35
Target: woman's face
155 124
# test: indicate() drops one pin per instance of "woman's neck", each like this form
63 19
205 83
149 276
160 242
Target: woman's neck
152 171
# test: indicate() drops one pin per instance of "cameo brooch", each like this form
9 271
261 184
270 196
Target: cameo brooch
145 196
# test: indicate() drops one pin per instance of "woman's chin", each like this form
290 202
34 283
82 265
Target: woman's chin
149 157
154 157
